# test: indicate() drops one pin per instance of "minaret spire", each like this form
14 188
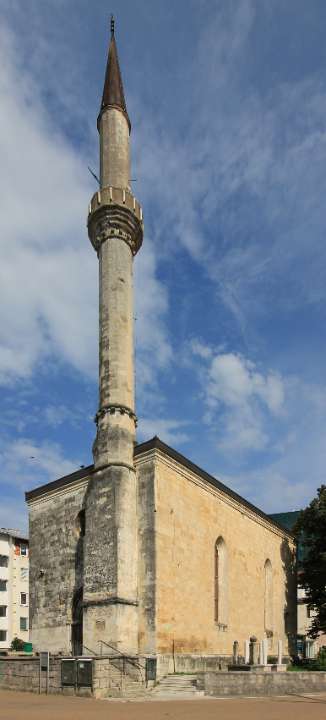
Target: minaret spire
113 92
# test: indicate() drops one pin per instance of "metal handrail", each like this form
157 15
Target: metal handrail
124 657
89 650
103 642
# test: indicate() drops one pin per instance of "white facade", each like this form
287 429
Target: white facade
14 587
306 646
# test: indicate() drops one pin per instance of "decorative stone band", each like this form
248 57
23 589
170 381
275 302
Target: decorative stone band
110 601
114 463
112 408
114 212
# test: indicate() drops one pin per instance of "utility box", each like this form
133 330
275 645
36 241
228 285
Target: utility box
84 673
68 673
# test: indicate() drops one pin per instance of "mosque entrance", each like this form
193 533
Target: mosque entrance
77 623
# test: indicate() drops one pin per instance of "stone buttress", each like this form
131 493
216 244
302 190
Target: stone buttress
115 227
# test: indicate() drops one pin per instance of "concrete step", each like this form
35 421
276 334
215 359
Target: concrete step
183 686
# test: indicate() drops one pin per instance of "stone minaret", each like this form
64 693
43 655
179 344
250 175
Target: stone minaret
115 230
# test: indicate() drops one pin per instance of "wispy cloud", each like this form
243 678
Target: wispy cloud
242 189
26 464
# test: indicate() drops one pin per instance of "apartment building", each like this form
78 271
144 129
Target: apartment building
306 646
14 588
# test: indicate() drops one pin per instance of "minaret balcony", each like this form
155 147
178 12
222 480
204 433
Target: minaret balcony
115 212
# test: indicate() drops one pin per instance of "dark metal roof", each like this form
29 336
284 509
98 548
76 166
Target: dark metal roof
156 444
61 482
286 519
113 93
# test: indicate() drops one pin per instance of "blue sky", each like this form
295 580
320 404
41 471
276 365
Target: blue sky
228 108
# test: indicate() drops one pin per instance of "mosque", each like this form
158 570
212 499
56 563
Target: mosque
143 551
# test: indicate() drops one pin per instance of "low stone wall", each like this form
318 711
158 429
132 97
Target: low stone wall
168 664
222 684
22 673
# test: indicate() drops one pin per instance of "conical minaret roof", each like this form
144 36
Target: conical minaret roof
113 93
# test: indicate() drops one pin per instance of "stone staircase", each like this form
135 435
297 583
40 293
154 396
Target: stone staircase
122 685
177 687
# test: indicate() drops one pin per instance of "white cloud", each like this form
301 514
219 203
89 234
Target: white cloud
234 381
153 348
170 431
242 397
287 474
199 348
26 464
56 415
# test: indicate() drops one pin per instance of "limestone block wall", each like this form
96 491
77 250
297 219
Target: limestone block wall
190 515
146 555
261 684
22 674
56 565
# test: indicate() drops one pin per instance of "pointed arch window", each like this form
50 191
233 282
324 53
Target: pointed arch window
221 583
268 598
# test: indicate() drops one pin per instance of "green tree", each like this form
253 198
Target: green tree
311 533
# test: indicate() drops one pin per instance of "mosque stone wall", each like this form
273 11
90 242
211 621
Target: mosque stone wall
180 516
190 517
56 565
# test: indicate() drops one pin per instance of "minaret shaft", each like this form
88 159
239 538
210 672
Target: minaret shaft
116 419
114 149
116 323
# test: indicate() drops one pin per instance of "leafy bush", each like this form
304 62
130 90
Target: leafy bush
321 659
17 644
317 663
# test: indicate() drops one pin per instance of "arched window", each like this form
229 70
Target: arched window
221 583
268 598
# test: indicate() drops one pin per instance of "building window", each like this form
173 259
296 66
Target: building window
23 598
4 560
23 623
221 584
3 610
81 523
3 635
268 598
3 585
24 574
24 550
310 649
